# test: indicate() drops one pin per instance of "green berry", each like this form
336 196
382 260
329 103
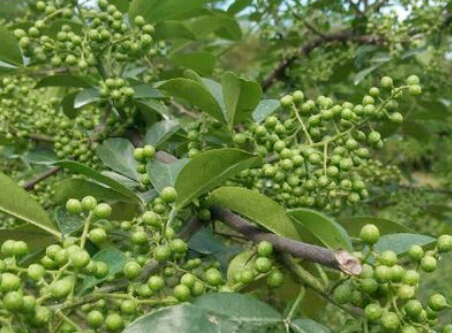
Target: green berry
416 252
61 288
437 302
298 96
286 101
102 211
7 248
369 286
390 321
274 279
74 206
188 279
383 273
444 243
413 308
411 278
13 301
374 137
182 292
149 151
132 270
265 249
263 264
20 249
138 154
98 235
386 82
373 311
178 246
161 253
405 292
369 234
9 282
413 80
128 307
79 259
152 218
36 272
343 293
415 90
156 283
95 318
89 202
428 264
388 258
213 277
168 194
114 322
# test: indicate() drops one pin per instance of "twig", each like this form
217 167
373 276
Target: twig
46 174
342 36
306 251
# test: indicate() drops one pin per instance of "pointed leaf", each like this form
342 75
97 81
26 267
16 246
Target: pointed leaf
160 132
68 223
325 229
201 62
256 207
15 201
67 105
208 170
400 243
10 52
194 93
163 174
240 96
117 154
353 225
85 97
115 260
265 108
308 326
144 91
63 80
93 174
172 29
243 308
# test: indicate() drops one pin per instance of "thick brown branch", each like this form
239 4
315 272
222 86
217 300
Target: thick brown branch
46 174
341 37
297 249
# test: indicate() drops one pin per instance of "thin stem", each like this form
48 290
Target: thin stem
303 127
295 304
85 230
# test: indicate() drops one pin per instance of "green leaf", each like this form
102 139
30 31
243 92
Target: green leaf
308 326
212 313
229 27
157 10
265 108
208 170
63 80
238 6
160 132
244 260
163 174
35 237
127 182
364 73
195 93
79 188
400 243
220 23
240 97
68 223
151 107
117 154
67 105
115 260
172 29
16 202
243 308
93 174
144 91
10 52
85 97
256 207
353 225
40 156
5 67
201 62
325 229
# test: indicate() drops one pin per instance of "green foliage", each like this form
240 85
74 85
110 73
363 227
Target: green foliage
134 134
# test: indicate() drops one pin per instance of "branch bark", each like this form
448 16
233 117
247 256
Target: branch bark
46 174
341 37
297 249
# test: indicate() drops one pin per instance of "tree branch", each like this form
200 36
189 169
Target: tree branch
341 37
46 174
310 252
